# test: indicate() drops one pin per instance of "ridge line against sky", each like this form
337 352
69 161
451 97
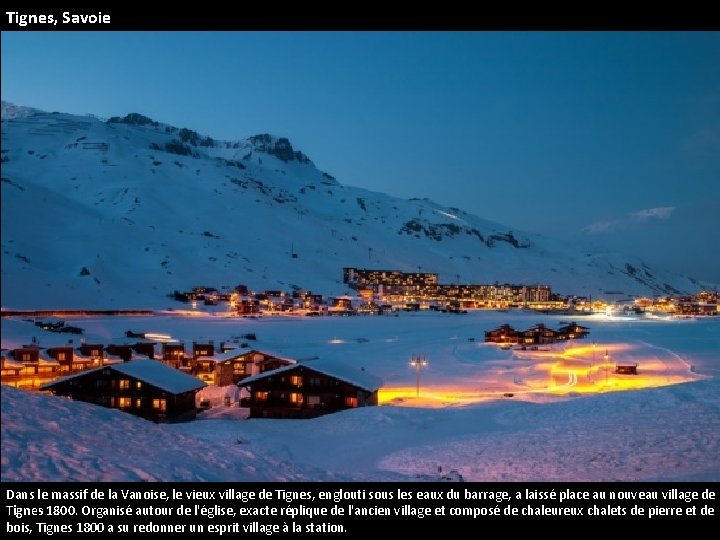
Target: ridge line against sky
587 135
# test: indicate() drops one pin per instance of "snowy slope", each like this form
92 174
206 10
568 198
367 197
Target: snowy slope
45 438
121 213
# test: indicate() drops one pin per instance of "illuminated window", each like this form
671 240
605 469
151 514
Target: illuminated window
296 380
239 368
296 398
138 384
351 401
159 404
261 396
124 402
61 356
138 403
124 384
25 357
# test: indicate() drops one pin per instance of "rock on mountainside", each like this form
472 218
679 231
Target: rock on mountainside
119 213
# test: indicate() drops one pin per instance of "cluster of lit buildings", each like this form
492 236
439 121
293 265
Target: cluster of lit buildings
31 366
705 303
384 291
535 335
393 286
160 381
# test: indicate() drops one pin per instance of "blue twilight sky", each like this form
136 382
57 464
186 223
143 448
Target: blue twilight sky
613 137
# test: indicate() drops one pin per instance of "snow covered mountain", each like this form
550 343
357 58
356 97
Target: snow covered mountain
119 213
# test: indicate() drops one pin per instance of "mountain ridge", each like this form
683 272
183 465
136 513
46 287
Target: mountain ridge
118 213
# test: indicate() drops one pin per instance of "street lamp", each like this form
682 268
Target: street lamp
607 368
418 363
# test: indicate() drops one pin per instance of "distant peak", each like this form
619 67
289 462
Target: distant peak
10 111
280 147
135 119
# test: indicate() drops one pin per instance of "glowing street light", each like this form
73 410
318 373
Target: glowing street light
418 363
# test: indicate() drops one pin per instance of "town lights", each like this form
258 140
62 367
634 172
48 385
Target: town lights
418 363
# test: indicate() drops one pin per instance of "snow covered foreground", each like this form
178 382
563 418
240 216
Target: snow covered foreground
45 438
664 433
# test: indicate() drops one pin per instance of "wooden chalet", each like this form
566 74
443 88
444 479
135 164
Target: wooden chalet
214 370
123 352
27 368
26 354
310 389
68 361
92 350
10 368
503 334
539 335
145 388
173 355
573 331
253 362
202 349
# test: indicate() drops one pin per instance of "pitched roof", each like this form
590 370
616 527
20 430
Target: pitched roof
573 325
339 370
149 371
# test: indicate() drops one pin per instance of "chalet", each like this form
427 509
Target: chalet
68 361
10 368
503 334
202 349
26 354
89 355
306 390
539 335
173 355
123 352
572 331
27 368
254 362
214 370
94 350
230 346
145 388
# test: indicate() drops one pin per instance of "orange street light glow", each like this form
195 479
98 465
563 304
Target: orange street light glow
573 370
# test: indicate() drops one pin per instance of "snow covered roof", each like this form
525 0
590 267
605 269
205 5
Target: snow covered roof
44 358
227 355
339 370
160 375
149 371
